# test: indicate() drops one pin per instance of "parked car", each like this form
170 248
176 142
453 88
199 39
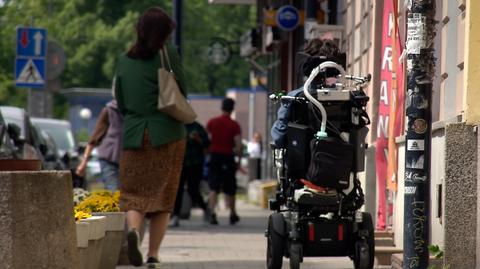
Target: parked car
53 161
61 133
8 149
22 133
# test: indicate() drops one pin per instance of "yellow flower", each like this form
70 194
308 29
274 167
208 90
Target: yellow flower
81 215
116 196
99 202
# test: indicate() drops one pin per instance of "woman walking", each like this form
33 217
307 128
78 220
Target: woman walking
154 143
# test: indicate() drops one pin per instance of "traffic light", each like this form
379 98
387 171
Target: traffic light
250 42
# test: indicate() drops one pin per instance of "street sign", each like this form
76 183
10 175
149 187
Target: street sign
30 62
287 18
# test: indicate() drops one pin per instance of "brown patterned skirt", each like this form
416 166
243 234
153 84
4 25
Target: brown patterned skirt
149 176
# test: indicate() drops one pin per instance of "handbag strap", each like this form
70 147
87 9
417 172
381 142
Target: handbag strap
162 52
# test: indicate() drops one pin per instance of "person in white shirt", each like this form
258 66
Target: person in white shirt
254 149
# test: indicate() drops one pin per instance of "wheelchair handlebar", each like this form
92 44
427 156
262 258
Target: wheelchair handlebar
275 97
359 79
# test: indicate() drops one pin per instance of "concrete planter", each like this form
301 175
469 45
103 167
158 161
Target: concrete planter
113 238
83 230
37 227
96 234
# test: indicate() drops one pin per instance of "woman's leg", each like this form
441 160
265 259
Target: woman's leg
134 220
158 227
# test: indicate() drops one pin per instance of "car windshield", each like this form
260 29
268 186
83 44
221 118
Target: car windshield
61 134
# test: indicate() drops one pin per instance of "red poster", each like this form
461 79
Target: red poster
390 111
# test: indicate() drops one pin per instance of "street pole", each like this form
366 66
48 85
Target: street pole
177 34
310 9
332 12
420 72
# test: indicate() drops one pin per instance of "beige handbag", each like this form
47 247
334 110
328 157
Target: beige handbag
170 99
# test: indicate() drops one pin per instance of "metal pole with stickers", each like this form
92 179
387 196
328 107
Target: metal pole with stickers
420 72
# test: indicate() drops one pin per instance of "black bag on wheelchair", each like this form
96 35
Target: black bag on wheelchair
331 163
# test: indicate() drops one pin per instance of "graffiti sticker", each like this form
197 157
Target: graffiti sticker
415 177
419 126
415 162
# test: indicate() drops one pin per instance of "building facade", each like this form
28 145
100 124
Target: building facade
453 214
366 24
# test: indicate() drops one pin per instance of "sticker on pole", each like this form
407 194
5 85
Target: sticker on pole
410 190
415 145
416 38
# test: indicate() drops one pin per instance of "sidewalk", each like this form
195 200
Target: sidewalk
195 245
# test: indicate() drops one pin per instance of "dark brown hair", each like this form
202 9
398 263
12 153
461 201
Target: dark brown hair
153 28
228 104
318 47
317 51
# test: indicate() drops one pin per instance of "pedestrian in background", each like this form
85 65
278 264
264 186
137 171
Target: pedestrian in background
192 172
225 137
254 149
153 142
107 138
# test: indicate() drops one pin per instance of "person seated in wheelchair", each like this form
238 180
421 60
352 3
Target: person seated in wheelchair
316 51
319 146
319 166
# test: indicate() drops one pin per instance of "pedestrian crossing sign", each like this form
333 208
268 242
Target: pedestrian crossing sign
30 62
30 73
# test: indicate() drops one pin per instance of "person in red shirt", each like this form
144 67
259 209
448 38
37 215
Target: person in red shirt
225 137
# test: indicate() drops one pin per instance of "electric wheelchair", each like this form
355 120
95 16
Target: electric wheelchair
317 204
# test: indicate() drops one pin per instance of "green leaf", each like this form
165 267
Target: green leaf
433 248
439 254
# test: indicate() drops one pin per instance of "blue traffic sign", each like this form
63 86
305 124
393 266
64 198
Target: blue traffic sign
31 42
30 73
30 61
288 18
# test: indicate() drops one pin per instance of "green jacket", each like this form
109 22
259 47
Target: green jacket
136 91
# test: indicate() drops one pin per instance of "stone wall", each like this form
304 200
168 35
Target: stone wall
460 218
37 227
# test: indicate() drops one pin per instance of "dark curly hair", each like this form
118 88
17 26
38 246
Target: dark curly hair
317 51
318 47
153 28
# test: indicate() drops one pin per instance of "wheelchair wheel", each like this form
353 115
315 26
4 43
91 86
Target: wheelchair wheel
275 243
295 255
364 257
361 258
